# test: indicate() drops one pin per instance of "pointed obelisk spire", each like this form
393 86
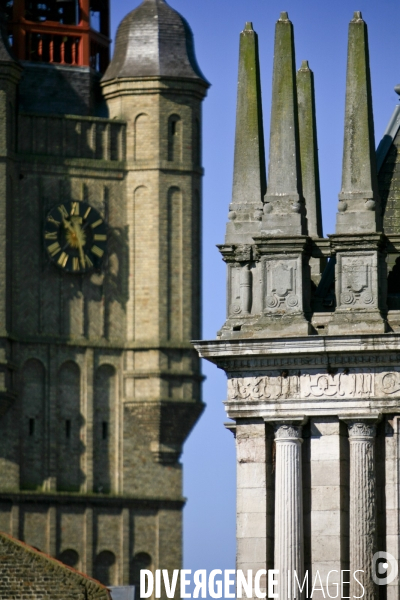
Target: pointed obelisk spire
359 247
284 203
249 180
359 206
309 149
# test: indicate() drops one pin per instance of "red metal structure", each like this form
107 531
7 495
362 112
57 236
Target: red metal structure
66 32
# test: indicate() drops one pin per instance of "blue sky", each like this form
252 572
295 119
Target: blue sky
321 38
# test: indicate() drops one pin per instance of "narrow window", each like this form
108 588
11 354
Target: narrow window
105 430
68 429
31 427
174 138
197 143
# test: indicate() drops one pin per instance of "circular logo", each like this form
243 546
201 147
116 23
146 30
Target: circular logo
384 568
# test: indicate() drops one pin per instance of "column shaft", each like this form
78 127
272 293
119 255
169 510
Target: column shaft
362 507
288 509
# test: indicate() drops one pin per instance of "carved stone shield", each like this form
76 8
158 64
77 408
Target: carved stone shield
355 277
282 279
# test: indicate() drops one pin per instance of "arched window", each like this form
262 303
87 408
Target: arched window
105 568
33 426
175 138
143 148
104 427
71 558
69 425
142 560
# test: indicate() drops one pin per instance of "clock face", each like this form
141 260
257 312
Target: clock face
75 236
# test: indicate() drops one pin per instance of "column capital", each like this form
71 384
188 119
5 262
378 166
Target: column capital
359 430
289 429
362 427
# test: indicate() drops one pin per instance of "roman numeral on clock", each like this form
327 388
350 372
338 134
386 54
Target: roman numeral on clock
54 249
88 261
63 259
63 211
75 209
97 251
96 223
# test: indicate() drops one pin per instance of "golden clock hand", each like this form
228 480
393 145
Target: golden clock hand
78 232
81 255
69 225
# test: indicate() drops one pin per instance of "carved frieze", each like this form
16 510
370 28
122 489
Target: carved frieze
310 385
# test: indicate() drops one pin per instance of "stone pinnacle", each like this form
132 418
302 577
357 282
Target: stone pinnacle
249 178
284 208
359 205
309 149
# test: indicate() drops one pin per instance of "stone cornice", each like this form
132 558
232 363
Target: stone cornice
218 351
153 85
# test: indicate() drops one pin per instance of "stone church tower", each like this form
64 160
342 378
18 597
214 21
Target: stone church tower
312 353
99 281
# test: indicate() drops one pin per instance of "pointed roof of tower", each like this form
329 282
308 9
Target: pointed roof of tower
154 41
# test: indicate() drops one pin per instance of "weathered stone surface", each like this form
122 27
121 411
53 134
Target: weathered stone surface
361 284
309 149
249 179
363 534
324 357
289 555
359 206
284 205
309 161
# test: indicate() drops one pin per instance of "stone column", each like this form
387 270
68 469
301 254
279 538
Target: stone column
288 507
362 506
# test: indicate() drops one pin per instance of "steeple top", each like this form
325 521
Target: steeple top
154 41
248 26
284 16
